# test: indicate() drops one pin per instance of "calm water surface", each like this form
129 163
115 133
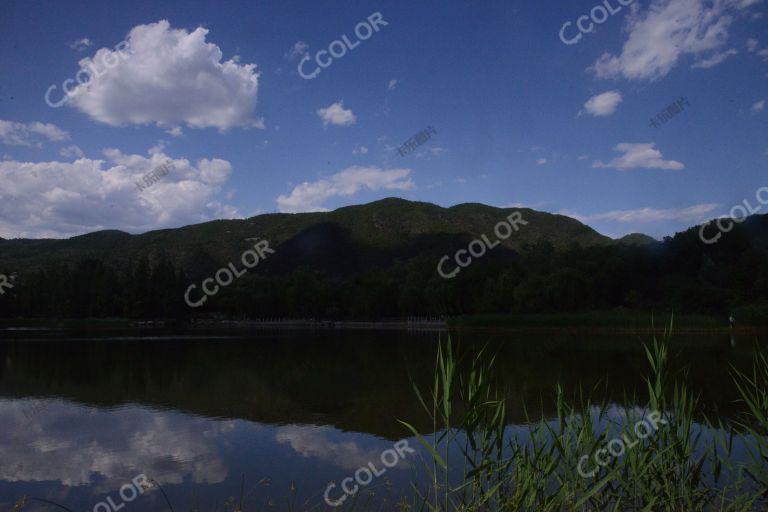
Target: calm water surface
286 412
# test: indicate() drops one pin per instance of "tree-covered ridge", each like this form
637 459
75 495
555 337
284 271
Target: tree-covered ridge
379 261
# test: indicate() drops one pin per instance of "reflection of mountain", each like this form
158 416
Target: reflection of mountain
352 380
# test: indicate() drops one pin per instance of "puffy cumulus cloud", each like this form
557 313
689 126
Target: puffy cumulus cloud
694 213
76 445
362 150
668 30
603 104
337 115
61 199
29 134
170 77
310 196
639 156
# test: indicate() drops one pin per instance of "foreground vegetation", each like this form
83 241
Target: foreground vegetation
687 464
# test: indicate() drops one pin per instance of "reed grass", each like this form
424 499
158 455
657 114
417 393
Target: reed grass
685 465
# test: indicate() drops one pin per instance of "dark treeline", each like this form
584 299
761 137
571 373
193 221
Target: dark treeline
680 273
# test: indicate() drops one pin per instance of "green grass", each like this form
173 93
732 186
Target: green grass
674 469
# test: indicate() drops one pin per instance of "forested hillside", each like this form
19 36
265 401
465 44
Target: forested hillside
379 261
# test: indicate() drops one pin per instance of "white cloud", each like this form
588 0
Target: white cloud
667 31
603 104
425 152
61 199
81 44
336 115
310 196
714 60
362 150
297 50
173 77
583 157
52 448
639 156
541 161
71 152
751 44
758 107
318 443
28 134
436 150
392 85
692 213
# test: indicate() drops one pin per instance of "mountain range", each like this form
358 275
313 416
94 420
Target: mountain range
379 260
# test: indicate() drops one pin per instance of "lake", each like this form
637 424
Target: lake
277 413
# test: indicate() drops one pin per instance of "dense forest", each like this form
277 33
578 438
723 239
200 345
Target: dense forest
341 280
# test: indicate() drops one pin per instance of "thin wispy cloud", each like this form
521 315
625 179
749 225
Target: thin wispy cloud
30 134
660 36
311 196
297 50
81 44
714 60
693 213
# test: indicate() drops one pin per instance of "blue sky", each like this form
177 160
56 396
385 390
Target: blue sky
521 118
